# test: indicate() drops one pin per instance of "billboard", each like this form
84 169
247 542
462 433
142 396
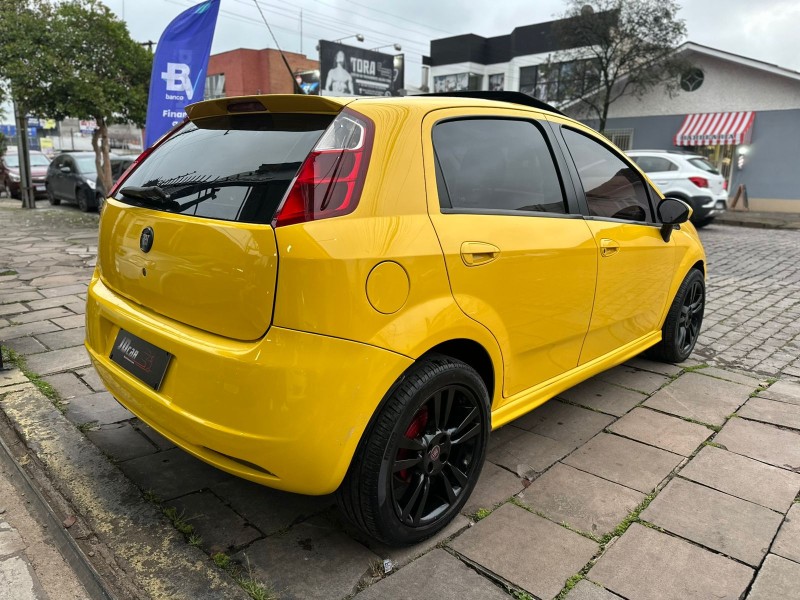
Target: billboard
351 71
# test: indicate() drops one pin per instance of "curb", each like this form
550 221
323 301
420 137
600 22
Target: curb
149 558
87 575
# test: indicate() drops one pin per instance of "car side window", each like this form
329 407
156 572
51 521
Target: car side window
654 164
496 164
68 162
613 188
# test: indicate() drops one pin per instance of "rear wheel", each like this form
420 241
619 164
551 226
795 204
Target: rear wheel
682 326
421 457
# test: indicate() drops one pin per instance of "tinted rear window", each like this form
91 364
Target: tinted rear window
234 167
702 163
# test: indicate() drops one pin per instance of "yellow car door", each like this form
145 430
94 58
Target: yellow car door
520 258
635 264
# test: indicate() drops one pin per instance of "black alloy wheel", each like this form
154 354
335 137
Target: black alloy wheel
684 321
420 457
436 455
691 317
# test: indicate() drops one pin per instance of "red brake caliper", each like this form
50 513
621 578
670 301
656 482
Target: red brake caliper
417 427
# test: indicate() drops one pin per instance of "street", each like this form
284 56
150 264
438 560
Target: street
650 480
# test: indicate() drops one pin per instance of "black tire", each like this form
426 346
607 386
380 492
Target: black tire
51 198
684 320
99 201
85 199
16 195
410 474
700 223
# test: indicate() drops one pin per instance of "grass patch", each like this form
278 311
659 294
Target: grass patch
570 583
195 540
633 517
178 521
88 426
244 578
714 445
8 272
699 367
222 560
47 390
520 595
151 497
481 513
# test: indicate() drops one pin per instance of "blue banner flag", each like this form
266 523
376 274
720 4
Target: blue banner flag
179 68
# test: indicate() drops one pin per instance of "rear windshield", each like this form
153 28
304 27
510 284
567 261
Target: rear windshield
37 160
233 167
702 163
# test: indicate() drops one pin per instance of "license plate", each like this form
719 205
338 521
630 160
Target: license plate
140 358
39 188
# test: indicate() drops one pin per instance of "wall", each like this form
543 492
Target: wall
771 165
727 87
250 71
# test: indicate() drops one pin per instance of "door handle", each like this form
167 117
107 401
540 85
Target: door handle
478 253
608 247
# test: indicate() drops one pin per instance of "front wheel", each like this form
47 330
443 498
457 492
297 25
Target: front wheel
682 325
700 223
419 460
51 198
85 199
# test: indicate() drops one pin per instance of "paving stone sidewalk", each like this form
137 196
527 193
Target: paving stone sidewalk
649 481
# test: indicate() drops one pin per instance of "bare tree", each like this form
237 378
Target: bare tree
615 48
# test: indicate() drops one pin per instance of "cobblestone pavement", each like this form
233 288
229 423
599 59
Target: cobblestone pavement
649 481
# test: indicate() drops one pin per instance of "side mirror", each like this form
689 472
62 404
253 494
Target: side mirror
671 212
65 169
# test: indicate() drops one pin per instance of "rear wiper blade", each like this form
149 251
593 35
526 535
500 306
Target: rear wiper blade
151 195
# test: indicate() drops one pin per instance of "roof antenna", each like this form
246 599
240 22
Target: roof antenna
295 85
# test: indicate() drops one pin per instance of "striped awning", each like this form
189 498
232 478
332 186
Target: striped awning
715 129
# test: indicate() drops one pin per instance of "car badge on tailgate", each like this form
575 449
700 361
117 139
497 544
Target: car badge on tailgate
146 239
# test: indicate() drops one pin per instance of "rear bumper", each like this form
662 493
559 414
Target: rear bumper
703 207
286 411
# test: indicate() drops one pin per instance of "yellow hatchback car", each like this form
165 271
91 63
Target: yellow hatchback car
347 294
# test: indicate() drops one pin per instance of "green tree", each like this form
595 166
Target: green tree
73 59
108 73
618 48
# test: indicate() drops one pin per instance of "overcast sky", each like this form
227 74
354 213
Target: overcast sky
761 29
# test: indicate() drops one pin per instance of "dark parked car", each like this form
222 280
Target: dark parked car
9 173
118 167
72 177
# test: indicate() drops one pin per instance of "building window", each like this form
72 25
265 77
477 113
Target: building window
621 138
457 83
557 82
215 87
497 82
692 80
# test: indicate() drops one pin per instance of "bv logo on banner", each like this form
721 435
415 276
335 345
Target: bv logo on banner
179 68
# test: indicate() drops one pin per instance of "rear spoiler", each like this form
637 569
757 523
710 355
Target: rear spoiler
277 103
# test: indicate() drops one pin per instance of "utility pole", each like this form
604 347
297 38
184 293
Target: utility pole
25 190
301 31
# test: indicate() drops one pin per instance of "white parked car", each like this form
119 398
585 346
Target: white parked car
688 177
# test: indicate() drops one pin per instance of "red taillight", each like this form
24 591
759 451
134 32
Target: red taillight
331 178
699 181
725 184
141 158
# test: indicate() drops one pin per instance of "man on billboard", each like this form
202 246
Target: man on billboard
339 80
